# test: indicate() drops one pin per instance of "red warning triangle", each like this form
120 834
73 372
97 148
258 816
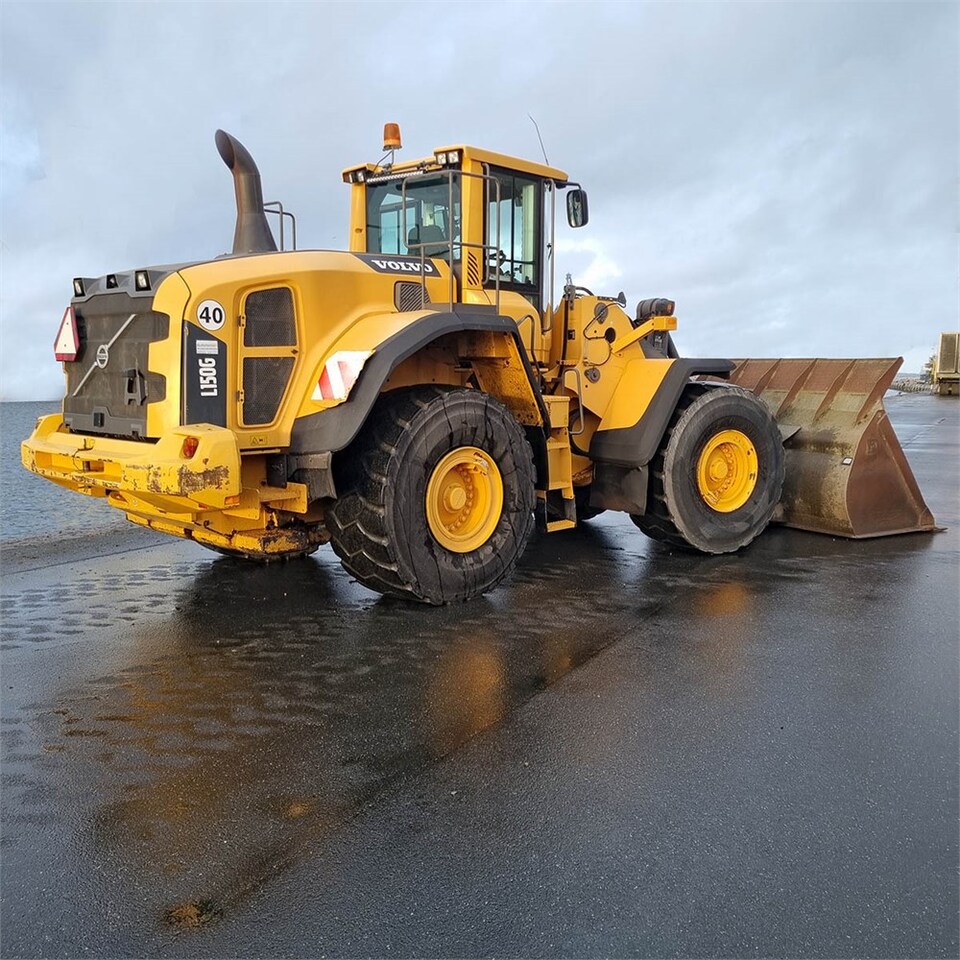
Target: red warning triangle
67 344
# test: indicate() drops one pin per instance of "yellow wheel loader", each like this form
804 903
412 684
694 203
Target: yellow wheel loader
421 399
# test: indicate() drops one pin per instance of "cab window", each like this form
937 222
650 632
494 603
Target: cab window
513 254
430 218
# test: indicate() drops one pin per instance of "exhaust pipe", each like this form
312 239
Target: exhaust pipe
253 234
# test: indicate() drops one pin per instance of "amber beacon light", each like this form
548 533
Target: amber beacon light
391 136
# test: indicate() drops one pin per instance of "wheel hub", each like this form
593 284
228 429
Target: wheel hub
464 499
455 497
727 471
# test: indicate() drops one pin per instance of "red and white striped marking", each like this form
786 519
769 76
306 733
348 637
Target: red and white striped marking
339 374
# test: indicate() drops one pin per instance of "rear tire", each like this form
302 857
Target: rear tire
729 431
414 441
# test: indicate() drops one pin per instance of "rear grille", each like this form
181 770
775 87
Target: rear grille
268 319
109 377
264 382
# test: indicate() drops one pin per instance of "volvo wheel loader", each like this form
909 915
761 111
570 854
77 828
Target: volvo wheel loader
420 399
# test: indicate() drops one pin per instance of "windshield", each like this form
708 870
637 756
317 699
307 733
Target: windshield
430 219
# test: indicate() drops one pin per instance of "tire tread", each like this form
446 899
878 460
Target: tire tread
357 520
659 522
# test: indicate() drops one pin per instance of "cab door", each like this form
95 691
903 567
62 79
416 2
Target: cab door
513 230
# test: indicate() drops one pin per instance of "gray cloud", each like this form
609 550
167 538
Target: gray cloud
785 171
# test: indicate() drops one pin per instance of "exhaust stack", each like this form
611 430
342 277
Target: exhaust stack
253 234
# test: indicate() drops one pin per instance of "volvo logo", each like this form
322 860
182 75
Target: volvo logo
103 354
399 264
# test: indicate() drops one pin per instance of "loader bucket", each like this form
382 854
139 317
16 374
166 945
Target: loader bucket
846 473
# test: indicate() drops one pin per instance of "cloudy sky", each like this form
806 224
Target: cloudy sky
785 171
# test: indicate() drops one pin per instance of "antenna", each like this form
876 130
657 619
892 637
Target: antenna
542 147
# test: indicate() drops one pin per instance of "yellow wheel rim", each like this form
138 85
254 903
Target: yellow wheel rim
464 499
727 471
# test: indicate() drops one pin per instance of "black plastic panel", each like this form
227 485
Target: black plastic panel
204 377
110 378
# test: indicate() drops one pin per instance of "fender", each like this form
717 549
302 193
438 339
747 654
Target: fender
636 446
332 430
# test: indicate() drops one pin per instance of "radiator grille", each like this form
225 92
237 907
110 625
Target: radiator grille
114 396
268 319
410 296
264 382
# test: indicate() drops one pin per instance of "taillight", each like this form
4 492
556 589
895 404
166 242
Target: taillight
189 448
67 345
339 374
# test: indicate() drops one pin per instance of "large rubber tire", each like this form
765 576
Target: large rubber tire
677 513
378 525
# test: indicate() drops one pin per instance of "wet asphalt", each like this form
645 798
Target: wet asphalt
624 751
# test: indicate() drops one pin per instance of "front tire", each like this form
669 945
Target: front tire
718 476
436 496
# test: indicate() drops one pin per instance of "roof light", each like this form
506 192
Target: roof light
391 136
111 281
339 374
447 157
361 176
67 344
142 280
78 290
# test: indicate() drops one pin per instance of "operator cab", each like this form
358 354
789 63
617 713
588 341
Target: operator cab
490 216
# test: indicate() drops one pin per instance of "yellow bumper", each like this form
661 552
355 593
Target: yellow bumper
97 466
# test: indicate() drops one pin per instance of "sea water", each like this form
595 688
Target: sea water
32 507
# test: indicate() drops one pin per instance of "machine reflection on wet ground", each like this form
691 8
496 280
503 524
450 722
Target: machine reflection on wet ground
178 733
254 692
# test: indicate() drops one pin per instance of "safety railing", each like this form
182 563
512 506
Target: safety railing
487 251
276 207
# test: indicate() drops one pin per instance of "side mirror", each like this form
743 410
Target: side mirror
577 213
